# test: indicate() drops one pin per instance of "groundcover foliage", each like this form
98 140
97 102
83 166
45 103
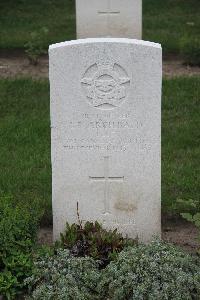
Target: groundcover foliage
63 276
155 271
18 227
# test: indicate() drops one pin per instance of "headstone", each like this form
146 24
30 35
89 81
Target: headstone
105 134
109 18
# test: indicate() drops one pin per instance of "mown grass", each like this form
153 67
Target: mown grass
180 140
166 21
170 21
21 17
25 142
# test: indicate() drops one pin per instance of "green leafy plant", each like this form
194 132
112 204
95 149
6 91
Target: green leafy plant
8 285
190 212
92 240
18 227
190 49
36 45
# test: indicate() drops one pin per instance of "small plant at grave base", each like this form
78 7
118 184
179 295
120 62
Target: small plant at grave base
194 212
92 240
36 45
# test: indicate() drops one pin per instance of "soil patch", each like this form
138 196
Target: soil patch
182 234
175 67
45 236
16 64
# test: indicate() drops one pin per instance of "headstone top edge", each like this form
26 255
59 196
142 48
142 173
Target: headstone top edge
104 40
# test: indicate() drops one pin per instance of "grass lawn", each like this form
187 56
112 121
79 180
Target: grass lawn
25 141
180 140
165 21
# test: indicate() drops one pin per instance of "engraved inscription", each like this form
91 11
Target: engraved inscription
119 222
104 132
105 85
106 179
115 221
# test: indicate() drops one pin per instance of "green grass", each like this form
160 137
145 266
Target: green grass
169 21
180 140
25 141
164 21
21 17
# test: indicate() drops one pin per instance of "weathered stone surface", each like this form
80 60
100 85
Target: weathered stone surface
109 18
105 130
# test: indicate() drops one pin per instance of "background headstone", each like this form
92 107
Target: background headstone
105 130
109 18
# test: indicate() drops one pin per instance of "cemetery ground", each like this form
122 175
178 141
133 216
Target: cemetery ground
25 145
173 23
26 181
25 177
15 63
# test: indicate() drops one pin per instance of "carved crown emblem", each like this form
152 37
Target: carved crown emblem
105 85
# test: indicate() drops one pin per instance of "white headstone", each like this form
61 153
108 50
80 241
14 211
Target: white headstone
109 18
105 134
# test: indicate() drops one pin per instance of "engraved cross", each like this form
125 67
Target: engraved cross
108 12
106 179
